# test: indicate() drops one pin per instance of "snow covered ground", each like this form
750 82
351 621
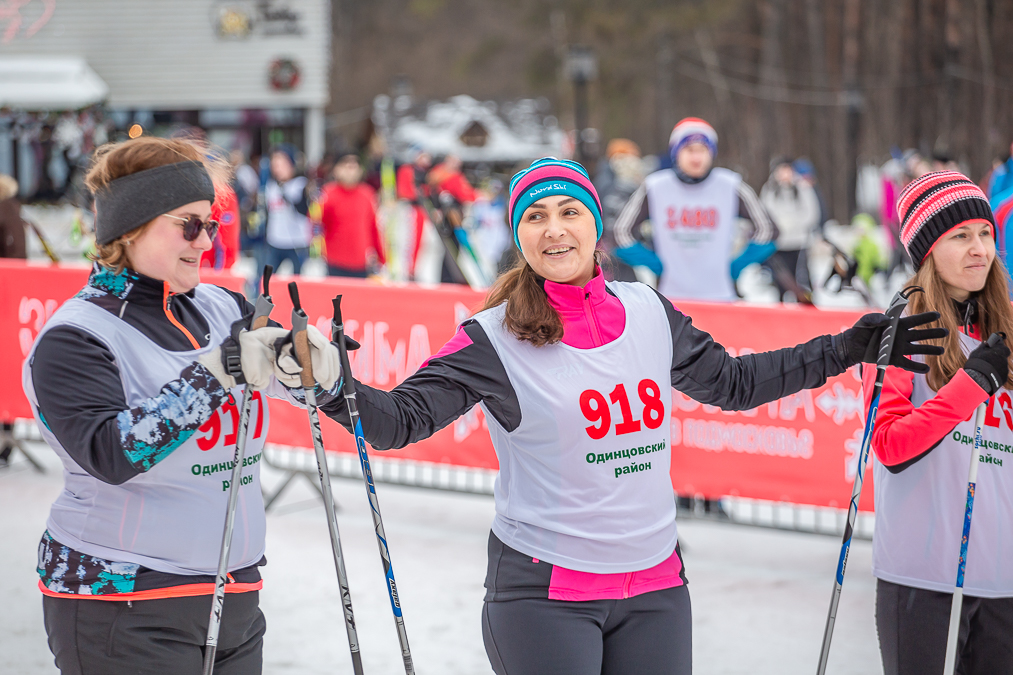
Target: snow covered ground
759 596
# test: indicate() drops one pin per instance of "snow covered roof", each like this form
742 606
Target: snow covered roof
49 83
477 131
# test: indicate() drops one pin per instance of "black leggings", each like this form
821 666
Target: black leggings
649 633
913 623
153 637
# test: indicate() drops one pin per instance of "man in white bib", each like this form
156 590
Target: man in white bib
694 208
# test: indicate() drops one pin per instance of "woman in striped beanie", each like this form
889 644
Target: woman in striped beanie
573 373
922 443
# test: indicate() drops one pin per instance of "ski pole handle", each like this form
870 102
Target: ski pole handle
299 338
338 336
897 306
262 310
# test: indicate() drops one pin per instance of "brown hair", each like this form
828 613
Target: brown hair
995 315
116 160
529 316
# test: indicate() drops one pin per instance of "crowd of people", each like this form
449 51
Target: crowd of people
676 220
586 574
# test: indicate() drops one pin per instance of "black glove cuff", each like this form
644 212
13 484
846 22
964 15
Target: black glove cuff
983 374
840 345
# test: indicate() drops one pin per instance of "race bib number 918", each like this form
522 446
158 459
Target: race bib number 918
597 410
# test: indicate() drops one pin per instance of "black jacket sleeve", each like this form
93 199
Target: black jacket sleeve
703 370
440 392
81 401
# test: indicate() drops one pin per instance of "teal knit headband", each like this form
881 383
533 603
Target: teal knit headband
548 177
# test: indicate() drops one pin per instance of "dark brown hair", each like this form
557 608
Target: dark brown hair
116 160
529 316
995 314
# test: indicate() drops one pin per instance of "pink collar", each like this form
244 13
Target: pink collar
591 315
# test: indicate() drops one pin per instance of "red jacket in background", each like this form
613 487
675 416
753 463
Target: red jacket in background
406 184
453 182
348 216
226 245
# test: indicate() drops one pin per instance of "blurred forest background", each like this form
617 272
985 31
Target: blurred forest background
839 81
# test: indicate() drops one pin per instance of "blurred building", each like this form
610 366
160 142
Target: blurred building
250 72
476 131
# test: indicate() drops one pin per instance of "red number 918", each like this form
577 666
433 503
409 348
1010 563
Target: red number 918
596 409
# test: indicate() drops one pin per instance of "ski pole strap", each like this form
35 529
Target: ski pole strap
231 356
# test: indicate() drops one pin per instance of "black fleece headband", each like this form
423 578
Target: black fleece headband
129 202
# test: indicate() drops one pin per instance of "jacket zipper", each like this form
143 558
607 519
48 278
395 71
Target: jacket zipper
167 295
589 309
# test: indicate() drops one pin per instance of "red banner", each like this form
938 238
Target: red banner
802 449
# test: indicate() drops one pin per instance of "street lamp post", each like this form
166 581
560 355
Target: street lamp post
581 68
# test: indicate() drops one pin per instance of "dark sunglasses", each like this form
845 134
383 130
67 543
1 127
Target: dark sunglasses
192 225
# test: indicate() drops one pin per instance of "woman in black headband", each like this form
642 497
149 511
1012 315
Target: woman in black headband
128 384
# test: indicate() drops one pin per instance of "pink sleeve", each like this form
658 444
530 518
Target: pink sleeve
904 432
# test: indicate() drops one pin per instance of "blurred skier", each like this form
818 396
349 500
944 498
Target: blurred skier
348 217
795 208
693 208
289 232
616 182
411 183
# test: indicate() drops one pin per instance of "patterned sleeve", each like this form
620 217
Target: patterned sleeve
150 431
750 208
81 401
634 213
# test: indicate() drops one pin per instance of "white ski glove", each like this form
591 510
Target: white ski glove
326 361
256 358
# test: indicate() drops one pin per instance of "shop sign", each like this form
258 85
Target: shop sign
240 19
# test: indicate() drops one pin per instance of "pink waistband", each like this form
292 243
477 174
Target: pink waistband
582 586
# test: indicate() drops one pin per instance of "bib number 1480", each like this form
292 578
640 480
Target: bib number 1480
597 410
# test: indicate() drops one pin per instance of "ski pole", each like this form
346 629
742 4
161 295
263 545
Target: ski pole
261 312
896 308
338 336
972 480
302 351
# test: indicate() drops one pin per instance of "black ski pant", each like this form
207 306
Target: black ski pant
153 637
913 623
649 633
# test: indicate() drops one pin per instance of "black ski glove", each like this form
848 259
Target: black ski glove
988 364
863 339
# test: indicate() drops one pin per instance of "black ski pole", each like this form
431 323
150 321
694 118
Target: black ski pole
338 336
896 308
302 351
261 312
